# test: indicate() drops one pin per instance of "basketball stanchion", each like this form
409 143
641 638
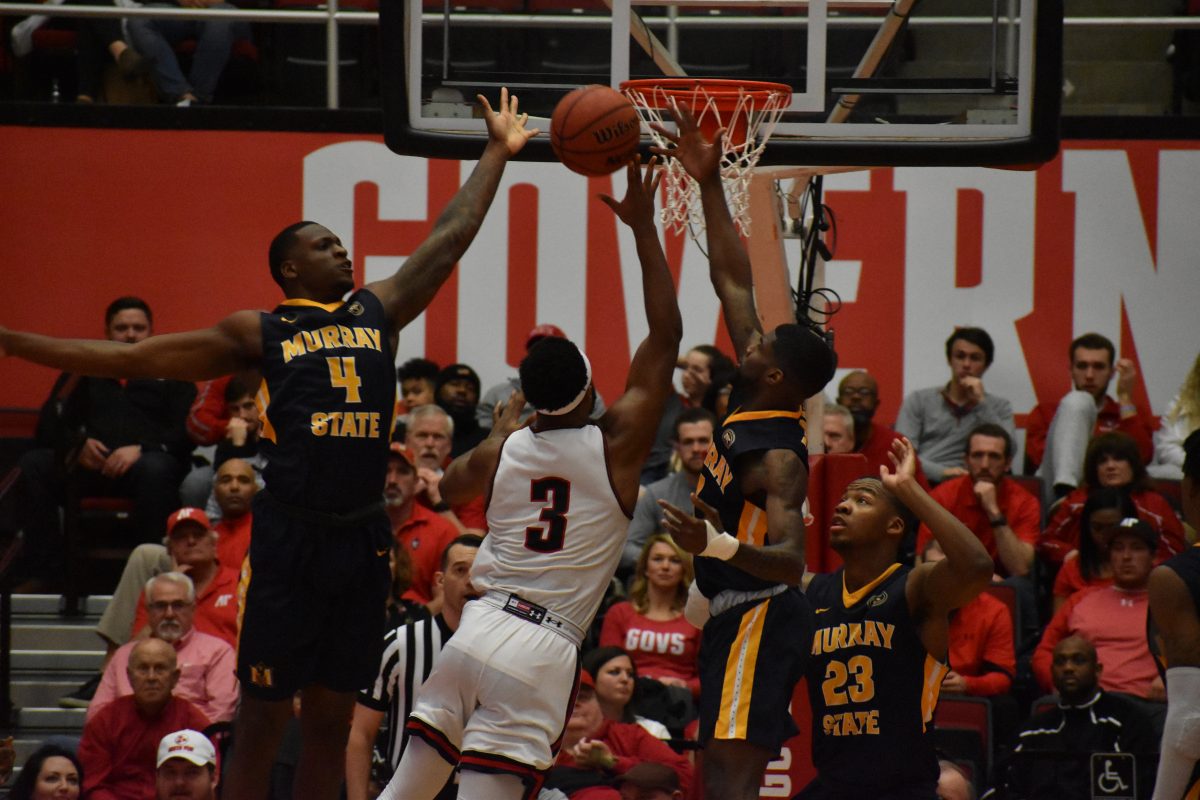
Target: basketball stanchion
747 110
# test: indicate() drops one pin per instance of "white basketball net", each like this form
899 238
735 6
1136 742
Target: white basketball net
761 111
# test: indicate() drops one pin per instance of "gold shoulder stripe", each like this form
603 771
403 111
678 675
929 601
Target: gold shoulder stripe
744 416
300 301
850 599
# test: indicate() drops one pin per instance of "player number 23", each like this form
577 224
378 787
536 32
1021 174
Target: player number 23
858 672
556 494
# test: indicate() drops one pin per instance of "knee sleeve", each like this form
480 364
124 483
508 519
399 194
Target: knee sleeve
1181 733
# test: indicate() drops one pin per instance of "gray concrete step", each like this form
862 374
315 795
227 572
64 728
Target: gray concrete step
44 662
31 692
50 605
51 719
55 635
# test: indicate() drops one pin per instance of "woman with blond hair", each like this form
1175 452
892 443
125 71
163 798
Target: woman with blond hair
1182 417
650 626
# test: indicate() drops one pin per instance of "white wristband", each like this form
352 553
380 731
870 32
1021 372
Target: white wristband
720 545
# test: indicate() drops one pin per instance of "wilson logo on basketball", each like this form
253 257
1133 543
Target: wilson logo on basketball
606 135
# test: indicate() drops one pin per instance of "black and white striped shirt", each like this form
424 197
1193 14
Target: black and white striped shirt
409 653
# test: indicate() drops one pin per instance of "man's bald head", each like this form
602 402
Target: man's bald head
153 672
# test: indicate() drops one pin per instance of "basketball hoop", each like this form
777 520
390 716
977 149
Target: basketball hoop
748 110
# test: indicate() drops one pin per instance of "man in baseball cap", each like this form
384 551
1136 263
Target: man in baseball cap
186 767
458 394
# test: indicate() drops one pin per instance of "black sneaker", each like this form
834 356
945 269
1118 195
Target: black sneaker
81 697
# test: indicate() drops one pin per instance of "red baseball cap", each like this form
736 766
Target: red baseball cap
399 449
585 679
188 514
541 332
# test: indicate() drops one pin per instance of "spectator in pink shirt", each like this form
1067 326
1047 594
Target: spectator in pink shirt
206 662
1113 618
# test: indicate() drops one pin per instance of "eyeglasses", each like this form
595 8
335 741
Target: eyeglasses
862 391
175 605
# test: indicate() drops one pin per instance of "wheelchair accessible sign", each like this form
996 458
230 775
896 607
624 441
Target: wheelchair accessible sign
1113 776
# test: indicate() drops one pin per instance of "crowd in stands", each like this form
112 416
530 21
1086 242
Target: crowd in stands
1073 541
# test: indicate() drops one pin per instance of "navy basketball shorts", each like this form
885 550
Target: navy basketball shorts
751 658
313 599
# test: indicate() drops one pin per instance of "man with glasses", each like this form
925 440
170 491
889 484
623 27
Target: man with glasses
206 662
859 393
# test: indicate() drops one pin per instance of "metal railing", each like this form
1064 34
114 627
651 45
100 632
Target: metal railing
331 16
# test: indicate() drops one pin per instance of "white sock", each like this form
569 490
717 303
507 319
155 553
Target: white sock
421 775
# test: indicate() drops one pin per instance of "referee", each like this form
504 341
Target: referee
409 653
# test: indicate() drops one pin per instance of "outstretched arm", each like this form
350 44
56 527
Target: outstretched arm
467 476
631 422
935 589
409 291
231 345
728 262
784 478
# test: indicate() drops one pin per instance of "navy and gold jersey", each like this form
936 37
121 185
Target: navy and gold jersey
872 686
327 400
1187 566
745 517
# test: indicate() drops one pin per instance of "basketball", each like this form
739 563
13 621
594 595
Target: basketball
595 130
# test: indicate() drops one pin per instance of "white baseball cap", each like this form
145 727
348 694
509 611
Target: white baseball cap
190 745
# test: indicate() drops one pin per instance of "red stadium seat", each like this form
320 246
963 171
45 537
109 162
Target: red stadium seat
963 730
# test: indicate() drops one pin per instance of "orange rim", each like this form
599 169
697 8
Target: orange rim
724 92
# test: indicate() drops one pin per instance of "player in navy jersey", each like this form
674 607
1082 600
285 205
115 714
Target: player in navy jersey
313 617
879 649
1174 605
750 557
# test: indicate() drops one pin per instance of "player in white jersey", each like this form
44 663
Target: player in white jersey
559 496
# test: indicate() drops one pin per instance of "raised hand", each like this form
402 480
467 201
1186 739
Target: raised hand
904 463
687 530
699 157
1126 377
508 414
506 126
637 207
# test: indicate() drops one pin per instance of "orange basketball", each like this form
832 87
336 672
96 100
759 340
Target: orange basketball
595 130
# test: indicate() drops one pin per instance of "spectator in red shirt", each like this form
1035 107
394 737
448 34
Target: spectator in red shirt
234 488
192 544
240 439
650 625
120 743
983 659
1112 460
595 749
1088 564
1003 515
859 393
420 533
428 437
1113 618
1057 433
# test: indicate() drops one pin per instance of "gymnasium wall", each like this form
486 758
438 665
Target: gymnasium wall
1106 237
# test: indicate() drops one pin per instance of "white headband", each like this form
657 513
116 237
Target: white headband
569 407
